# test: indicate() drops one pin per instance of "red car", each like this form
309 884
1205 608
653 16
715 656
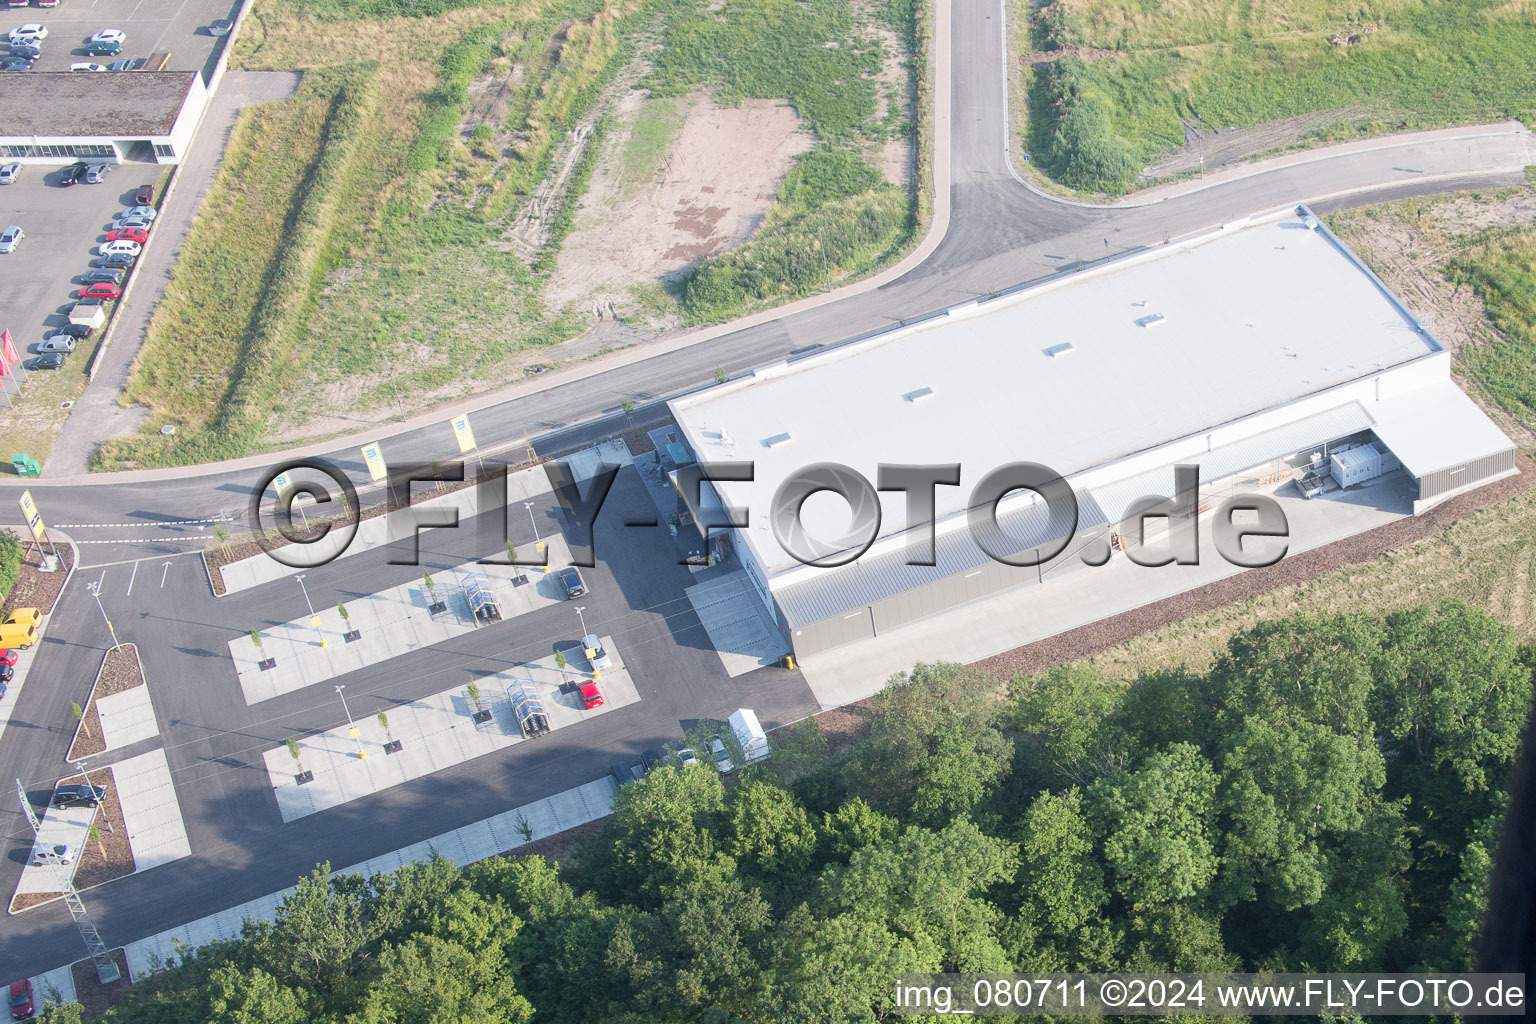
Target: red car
591 696
22 1006
100 290
9 657
129 234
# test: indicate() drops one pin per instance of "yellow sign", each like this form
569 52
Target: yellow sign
465 435
375 459
33 516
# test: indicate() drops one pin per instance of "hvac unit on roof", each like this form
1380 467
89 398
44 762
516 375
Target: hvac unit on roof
1056 351
1150 320
918 395
776 441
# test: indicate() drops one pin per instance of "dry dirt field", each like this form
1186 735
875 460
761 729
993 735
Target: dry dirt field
709 194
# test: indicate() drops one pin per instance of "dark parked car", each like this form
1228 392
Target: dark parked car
117 259
7 673
144 196
11 62
79 331
99 276
104 48
570 578
51 361
76 795
72 174
628 771
31 51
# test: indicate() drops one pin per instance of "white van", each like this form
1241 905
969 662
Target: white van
749 733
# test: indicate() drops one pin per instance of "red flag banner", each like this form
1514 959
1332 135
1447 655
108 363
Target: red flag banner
5 368
7 349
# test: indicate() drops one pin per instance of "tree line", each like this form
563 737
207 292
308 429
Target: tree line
1326 797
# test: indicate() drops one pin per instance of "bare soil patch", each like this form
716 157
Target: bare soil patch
717 181
1213 146
560 845
91 994
119 671
35 588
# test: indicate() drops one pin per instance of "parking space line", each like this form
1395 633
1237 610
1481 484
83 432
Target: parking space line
131 577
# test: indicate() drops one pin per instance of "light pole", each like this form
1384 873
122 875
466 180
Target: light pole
314 620
351 725
583 619
95 589
538 545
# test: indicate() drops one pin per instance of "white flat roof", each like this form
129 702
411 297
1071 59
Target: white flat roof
1164 344
1437 427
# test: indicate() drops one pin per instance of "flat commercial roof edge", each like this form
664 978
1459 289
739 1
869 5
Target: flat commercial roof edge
909 326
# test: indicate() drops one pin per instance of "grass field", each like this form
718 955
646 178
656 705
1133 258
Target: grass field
655 129
355 256
1139 72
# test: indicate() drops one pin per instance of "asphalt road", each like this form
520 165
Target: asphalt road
1000 235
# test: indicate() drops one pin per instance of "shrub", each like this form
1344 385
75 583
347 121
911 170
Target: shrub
10 562
827 173
1074 132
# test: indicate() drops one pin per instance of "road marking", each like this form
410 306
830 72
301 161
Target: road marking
149 540
140 525
131 577
165 567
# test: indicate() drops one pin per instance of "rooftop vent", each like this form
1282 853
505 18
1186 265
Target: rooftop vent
776 441
1150 320
918 395
1057 351
1310 222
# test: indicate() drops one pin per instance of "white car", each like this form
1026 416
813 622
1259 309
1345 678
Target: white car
109 35
81 65
63 851
720 756
9 173
28 33
10 237
58 343
122 245
144 212
597 656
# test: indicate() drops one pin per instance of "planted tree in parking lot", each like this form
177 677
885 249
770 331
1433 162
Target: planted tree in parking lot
560 664
384 722
426 580
472 691
256 639
79 714
293 752
511 552
95 837
221 538
523 826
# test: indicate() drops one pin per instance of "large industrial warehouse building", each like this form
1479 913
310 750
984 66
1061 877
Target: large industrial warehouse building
1254 351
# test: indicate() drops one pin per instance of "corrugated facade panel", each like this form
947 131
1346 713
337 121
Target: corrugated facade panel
1443 480
839 591
1116 499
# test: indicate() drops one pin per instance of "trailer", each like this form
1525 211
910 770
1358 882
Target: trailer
528 709
749 733
482 602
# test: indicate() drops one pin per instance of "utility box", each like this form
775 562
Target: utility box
749 733
87 315
1355 466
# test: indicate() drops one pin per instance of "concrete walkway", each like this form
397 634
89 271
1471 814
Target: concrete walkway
1027 613
435 732
392 622
97 416
127 717
494 835
737 623
151 812
67 826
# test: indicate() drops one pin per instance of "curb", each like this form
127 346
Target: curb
133 279
92 696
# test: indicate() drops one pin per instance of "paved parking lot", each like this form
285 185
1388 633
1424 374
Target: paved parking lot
177 27
63 226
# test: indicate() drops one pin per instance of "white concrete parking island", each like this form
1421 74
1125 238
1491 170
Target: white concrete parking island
389 623
437 732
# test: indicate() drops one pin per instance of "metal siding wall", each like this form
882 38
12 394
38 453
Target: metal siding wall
1467 473
833 632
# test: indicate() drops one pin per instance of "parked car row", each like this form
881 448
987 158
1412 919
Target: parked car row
26 46
125 239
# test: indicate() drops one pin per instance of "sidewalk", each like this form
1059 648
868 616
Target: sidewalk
487 838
